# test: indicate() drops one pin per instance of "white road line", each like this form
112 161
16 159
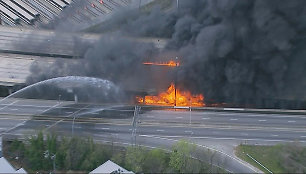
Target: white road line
51 107
274 135
14 109
303 136
267 115
66 116
225 114
188 131
95 113
20 124
9 105
256 115
233 119
262 120
130 129
179 117
205 118
104 128
150 116
159 130
68 112
291 121
249 139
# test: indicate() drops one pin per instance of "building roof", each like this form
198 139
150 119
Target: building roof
21 170
5 166
109 167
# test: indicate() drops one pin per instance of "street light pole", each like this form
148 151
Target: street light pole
175 80
190 115
72 128
53 158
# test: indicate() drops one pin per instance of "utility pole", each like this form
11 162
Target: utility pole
52 157
175 80
134 124
72 128
190 115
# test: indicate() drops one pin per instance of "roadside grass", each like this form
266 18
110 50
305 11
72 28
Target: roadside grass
269 156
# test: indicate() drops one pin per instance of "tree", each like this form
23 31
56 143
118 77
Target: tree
118 158
181 155
156 161
134 158
35 153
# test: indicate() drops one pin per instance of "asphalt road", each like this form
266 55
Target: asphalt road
157 128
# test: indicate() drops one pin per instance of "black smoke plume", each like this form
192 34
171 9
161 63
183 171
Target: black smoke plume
235 51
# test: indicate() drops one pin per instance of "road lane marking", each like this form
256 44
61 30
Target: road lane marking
262 120
150 116
104 128
68 112
205 118
179 117
9 105
188 131
14 109
303 136
51 107
20 124
233 119
159 130
73 114
225 138
291 121
274 135
226 114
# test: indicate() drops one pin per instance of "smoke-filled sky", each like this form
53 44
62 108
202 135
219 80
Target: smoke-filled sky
230 50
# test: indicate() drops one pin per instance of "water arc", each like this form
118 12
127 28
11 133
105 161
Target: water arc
86 89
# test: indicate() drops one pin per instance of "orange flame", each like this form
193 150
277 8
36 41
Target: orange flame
183 98
170 63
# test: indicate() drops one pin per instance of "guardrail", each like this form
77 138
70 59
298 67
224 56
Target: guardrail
217 109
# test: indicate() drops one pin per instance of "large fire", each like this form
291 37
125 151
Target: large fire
170 63
173 97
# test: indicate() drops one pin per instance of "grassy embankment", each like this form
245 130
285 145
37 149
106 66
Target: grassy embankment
282 158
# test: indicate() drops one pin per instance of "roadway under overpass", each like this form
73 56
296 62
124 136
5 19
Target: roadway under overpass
216 130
